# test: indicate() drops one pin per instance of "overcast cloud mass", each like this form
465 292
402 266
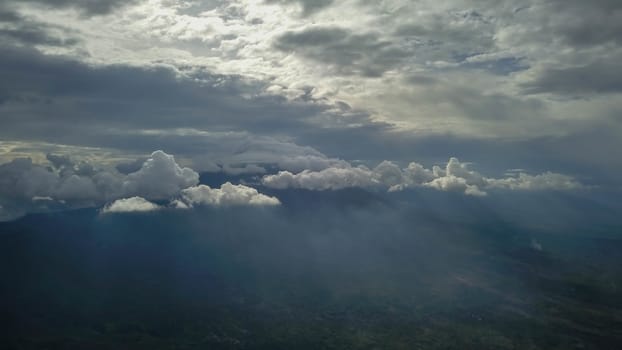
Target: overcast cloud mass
317 95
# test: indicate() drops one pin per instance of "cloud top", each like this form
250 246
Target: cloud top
455 176
159 177
23 185
129 205
227 195
326 179
27 186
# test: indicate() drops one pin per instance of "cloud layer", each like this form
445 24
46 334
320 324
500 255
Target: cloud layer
456 176
247 87
27 186
159 177
227 195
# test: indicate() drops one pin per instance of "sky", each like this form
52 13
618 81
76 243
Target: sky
125 104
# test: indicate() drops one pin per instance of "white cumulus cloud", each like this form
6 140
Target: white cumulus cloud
129 205
455 176
454 184
159 177
227 195
326 179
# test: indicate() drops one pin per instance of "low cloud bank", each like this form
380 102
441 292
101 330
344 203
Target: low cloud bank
24 183
159 177
227 195
455 176
26 186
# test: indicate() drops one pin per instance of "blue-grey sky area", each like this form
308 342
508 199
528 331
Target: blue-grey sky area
126 105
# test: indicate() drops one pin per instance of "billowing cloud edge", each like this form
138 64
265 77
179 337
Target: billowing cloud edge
130 205
26 186
227 195
455 176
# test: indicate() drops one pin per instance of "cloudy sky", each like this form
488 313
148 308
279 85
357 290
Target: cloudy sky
474 97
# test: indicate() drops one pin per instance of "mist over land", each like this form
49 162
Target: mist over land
346 269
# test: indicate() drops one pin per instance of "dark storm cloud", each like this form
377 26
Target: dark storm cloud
8 16
88 7
58 100
585 23
62 100
21 30
35 35
350 53
594 78
502 66
44 96
308 6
